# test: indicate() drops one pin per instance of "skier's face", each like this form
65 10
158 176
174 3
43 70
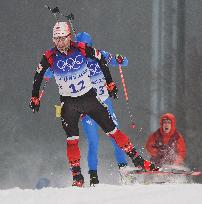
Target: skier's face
166 126
62 43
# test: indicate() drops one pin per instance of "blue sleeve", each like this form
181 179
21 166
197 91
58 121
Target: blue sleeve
48 74
111 60
107 56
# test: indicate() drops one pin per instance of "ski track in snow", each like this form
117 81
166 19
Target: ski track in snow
107 194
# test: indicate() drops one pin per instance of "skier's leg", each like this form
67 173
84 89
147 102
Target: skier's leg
91 133
99 113
124 143
118 152
70 119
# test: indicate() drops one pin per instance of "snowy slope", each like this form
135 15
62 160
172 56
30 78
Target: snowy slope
107 194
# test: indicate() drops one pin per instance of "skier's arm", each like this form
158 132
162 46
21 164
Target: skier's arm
97 55
94 54
111 86
38 77
34 103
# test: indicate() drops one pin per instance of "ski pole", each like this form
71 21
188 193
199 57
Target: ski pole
43 89
55 11
123 83
126 98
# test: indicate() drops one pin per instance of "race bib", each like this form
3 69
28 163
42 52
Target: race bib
98 80
72 74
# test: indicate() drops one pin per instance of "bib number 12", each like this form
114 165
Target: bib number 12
78 87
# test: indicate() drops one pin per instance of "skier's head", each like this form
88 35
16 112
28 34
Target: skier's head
61 29
84 37
168 123
62 36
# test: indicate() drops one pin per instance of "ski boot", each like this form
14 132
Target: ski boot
78 179
93 177
138 161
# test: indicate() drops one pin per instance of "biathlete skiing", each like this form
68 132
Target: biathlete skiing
68 60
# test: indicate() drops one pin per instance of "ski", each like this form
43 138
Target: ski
174 172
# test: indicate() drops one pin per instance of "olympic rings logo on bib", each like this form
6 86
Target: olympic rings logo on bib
70 64
94 69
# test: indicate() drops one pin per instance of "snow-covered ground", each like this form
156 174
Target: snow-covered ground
107 194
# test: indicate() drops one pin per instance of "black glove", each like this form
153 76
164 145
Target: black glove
112 90
34 104
119 58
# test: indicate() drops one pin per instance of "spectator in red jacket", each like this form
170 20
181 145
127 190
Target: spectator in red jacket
166 145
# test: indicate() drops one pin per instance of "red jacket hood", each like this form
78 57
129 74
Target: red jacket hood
171 117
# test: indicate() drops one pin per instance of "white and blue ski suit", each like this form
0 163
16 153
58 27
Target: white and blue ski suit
90 126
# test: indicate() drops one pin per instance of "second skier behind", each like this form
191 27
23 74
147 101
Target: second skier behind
89 125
